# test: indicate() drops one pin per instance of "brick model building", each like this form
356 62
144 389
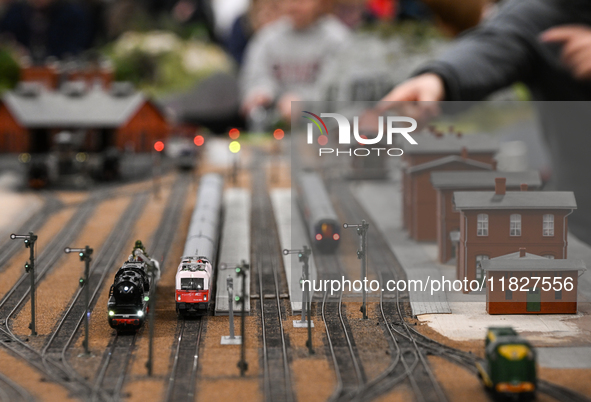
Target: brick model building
471 152
446 183
421 197
496 223
52 74
554 293
118 117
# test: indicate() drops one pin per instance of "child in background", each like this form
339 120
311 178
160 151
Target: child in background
285 59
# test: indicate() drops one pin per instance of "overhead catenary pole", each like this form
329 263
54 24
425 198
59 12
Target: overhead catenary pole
84 254
362 255
30 240
242 364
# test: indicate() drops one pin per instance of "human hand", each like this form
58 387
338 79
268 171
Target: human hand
576 47
416 98
254 100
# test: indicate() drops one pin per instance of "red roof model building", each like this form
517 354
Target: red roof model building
513 286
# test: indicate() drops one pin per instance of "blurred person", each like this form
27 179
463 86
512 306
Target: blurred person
286 58
259 14
456 16
352 13
46 27
546 44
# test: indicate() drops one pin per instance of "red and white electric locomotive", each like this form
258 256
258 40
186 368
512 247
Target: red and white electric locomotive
193 285
195 272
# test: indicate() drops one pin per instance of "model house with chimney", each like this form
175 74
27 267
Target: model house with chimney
500 222
436 152
554 293
448 182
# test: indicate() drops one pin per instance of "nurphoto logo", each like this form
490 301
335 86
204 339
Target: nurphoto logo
392 127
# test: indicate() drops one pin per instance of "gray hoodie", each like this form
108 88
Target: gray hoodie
280 59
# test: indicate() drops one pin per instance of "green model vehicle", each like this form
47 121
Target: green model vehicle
510 365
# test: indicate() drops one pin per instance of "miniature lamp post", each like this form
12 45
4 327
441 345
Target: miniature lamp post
30 240
84 254
242 364
231 340
304 258
362 255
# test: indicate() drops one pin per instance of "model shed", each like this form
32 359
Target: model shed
555 292
118 117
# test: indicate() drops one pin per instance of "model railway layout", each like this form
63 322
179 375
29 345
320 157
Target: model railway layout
175 265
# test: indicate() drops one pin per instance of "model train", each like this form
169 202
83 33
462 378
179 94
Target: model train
510 365
130 293
195 272
321 219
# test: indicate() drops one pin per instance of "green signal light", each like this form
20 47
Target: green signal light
238 270
146 298
81 254
237 298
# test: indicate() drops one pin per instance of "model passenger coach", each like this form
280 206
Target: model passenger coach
195 272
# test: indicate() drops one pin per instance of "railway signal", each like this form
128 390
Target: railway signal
231 340
304 258
242 364
29 240
84 254
362 255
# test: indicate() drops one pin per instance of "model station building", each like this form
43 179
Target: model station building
119 116
437 152
447 182
498 223
548 295
80 98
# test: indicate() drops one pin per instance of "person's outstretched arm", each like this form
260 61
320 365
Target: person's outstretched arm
492 56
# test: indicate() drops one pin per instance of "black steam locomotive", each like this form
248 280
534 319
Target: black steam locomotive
129 296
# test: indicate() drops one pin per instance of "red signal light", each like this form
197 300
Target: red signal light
234 133
159 146
336 236
279 134
199 140
318 237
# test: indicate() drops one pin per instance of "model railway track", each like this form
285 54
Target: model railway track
162 239
111 376
266 251
408 358
12 392
181 382
116 359
400 331
10 248
51 254
19 293
66 331
341 345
